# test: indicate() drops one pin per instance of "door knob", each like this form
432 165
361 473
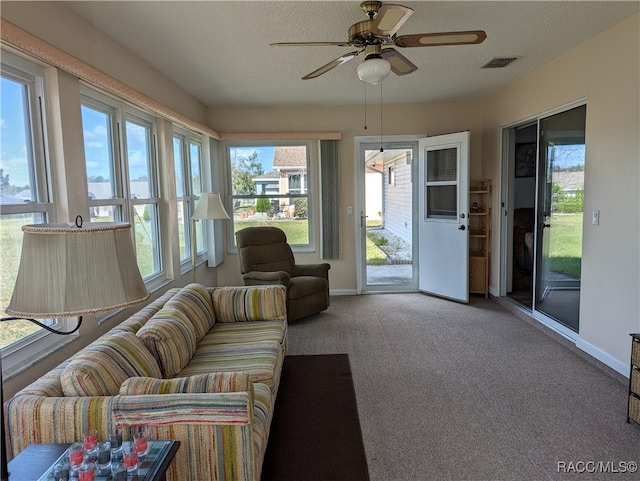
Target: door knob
461 227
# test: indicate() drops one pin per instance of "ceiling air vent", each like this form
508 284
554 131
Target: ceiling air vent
499 62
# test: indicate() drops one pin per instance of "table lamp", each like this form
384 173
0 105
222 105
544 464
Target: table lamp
71 270
209 207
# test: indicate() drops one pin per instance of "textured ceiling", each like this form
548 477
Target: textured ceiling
219 51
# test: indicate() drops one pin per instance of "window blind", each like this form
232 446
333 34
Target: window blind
329 200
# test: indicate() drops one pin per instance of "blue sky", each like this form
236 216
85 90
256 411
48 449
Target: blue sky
569 155
13 152
265 155
95 126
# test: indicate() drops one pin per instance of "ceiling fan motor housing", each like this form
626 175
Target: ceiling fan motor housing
371 8
360 34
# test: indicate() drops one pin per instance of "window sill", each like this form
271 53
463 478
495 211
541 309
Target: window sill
23 359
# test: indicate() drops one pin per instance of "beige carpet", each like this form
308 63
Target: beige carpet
472 392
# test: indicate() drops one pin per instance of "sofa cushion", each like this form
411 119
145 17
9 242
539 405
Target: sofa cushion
262 360
195 301
101 367
200 383
255 303
237 332
171 338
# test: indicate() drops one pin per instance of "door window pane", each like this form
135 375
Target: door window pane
442 201
560 209
442 190
442 165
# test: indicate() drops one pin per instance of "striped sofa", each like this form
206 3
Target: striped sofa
200 365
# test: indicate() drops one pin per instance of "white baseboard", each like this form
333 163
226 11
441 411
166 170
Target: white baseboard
603 357
342 292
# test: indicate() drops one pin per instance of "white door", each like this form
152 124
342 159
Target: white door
443 209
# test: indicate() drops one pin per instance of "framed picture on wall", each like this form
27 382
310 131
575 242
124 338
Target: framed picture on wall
526 160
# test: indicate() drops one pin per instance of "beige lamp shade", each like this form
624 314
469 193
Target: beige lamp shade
68 271
209 207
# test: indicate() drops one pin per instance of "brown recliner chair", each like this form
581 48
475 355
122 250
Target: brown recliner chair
267 258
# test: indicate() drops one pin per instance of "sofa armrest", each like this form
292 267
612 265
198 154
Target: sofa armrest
184 408
55 419
315 270
250 303
257 278
215 432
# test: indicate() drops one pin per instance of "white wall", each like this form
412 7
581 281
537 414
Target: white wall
605 71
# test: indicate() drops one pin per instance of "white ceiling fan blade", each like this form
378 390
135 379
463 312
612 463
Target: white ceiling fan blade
389 19
400 65
310 44
443 38
331 65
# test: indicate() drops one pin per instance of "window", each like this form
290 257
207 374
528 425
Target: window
270 186
24 191
187 158
122 173
442 184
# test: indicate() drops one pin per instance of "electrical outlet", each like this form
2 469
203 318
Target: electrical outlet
595 218
349 210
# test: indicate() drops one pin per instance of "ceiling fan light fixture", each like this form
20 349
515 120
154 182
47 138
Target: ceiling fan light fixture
374 70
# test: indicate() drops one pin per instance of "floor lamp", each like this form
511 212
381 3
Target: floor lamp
209 207
70 271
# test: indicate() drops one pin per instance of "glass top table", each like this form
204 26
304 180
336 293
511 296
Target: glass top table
152 467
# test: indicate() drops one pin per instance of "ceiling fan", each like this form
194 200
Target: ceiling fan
375 35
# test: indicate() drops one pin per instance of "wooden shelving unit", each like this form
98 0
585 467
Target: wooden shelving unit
633 409
479 236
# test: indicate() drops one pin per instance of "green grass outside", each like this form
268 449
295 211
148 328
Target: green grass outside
296 230
375 256
565 249
10 247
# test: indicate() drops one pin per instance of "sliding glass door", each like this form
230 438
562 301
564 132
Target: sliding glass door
559 216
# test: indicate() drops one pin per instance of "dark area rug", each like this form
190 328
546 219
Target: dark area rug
315 432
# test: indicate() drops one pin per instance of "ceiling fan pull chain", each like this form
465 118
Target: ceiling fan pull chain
381 148
365 105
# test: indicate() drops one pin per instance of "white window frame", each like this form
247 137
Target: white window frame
22 353
311 180
188 139
122 113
